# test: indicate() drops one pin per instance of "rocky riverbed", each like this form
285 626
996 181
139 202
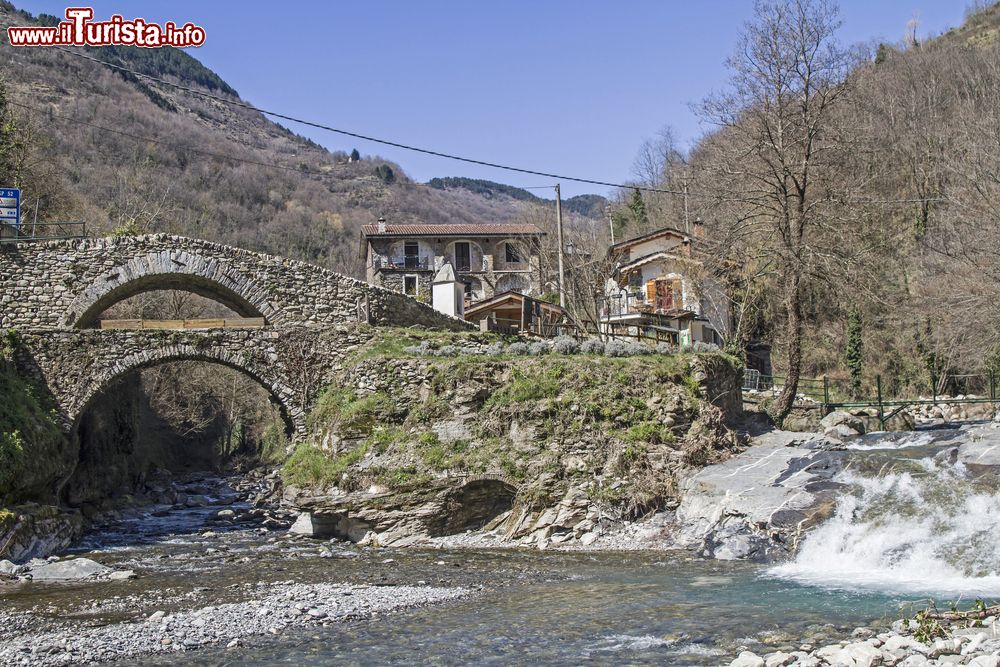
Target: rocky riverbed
952 644
270 610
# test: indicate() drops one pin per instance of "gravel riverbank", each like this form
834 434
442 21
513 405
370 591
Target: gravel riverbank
271 610
952 645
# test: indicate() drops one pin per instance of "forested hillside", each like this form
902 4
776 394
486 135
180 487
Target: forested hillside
127 154
850 190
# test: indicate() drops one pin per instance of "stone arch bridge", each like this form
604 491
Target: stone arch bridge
53 294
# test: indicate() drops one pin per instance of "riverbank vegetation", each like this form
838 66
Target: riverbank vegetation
616 424
31 442
868 222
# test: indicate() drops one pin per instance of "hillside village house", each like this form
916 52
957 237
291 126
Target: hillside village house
487 258
657 287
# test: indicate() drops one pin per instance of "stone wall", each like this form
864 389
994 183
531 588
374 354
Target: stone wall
292 362
64 284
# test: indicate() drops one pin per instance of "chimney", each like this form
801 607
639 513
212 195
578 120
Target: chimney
699 227
381 225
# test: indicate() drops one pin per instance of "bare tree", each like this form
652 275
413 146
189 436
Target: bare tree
788 75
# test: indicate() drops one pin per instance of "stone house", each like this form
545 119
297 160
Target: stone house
488 258
658 286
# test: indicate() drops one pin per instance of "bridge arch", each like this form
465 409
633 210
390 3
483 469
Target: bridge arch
170 270
292 412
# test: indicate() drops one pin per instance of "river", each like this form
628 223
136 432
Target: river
901 533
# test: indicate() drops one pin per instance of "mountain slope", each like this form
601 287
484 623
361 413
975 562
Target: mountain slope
135 155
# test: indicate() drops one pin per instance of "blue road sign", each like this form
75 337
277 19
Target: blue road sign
10 206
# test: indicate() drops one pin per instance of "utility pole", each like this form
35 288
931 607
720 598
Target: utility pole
559 234
611 223
687 225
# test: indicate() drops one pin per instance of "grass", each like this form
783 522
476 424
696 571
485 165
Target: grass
384 437
649 431
536 384
311 466
401 477
438 455
348 413
426 412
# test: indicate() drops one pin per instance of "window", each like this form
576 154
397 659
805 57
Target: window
411 254
511 255
463 256
410 285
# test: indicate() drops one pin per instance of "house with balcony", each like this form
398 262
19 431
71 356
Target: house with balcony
658 288
488 258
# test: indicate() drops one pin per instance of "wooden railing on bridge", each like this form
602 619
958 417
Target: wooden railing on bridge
226 323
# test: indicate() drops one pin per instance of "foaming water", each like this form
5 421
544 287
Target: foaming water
932 529
893 441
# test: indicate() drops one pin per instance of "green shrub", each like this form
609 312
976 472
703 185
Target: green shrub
383 437
31 441
341 409
311 466
649 431
525 387
274 443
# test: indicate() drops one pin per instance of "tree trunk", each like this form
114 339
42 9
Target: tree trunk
793 320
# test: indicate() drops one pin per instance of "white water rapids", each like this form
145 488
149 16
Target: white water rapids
930 529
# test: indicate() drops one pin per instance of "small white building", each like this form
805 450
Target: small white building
447 293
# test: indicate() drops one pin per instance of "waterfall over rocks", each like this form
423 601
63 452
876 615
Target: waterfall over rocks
925 525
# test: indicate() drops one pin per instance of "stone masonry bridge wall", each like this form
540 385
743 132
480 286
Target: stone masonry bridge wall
53 294
67 284
292 362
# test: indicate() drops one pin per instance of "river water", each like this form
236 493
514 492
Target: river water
922 526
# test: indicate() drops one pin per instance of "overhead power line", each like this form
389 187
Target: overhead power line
364 137
395 144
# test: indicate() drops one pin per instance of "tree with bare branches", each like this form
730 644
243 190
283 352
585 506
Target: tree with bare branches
787 77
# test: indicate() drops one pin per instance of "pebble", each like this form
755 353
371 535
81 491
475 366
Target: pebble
273 609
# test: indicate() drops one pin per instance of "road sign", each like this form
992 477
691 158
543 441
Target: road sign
10 206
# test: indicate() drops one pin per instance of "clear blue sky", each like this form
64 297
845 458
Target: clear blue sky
568 86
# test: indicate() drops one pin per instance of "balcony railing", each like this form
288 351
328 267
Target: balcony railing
630 303
406 263
624 304
510 266
472 266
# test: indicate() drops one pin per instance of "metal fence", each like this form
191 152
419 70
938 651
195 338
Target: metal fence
888 398
42 231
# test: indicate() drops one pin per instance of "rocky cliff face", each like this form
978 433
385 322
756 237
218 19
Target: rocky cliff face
544 449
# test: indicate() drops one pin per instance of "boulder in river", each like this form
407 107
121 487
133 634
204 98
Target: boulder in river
70 570
982 452
842 425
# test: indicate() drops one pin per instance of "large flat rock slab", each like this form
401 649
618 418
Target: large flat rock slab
981 450
756 504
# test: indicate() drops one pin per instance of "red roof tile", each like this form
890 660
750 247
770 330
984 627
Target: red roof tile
474 229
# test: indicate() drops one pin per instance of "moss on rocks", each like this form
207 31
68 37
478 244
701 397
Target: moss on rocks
33 448
619 429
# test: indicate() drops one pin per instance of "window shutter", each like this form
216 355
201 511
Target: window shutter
651 291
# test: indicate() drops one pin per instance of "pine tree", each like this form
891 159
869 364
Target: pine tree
355 155
638 208
855 351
